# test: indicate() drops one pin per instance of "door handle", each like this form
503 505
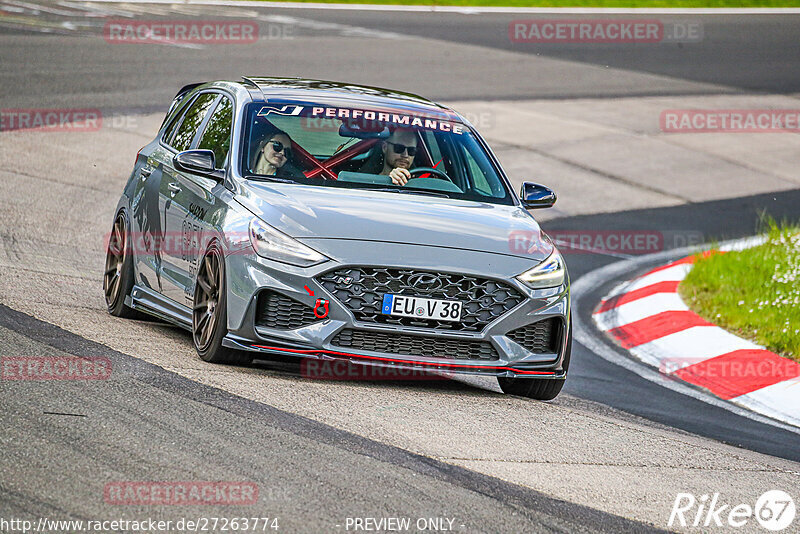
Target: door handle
175 188
145 173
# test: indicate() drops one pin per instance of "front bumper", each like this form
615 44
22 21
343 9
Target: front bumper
250 275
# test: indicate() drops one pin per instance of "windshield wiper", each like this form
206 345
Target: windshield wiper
412 191
269 179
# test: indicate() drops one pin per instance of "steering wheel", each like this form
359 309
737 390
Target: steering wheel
431 170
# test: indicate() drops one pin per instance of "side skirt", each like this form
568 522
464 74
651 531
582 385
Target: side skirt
150 302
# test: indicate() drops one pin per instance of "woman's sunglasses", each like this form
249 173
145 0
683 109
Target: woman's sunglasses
278 147
399 149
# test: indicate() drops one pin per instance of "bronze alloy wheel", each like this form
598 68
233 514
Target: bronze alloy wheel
115 262
206 311
209 313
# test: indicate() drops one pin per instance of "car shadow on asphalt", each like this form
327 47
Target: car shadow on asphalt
347 373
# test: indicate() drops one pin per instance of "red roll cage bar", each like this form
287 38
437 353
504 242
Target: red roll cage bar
326 168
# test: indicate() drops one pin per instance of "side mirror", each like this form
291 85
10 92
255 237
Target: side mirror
195 161
536 196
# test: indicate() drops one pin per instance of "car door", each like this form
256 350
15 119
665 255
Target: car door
147 221
190 217
174 199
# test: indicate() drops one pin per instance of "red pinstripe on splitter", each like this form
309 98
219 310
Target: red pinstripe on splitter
397 360
739 372
636 294
656 326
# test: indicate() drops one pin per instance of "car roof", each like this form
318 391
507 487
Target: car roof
331 93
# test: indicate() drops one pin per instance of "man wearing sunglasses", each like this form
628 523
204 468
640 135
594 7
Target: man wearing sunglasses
398 155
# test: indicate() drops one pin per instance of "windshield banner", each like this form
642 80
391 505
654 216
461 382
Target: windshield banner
364 115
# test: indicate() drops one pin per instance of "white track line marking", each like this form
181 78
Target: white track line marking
750 242
567 246
44 9
343 29
778 399
466 10
99 10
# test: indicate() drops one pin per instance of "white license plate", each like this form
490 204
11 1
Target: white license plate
421 308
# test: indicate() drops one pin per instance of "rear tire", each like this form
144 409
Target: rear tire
543 389
210 312
118 275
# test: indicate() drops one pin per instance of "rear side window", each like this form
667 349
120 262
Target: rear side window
191 121
171 129
217 135
172 107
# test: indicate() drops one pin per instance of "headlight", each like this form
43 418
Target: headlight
549 273
271 244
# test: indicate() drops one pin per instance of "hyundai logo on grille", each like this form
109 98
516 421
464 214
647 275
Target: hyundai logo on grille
425 282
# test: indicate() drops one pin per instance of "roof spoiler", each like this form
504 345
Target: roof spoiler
249 81
179 98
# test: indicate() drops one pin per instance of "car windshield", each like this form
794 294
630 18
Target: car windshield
360 148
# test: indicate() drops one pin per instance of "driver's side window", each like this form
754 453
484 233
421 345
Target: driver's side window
480 184
478 170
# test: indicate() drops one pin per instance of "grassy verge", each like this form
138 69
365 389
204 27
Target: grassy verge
754 293
575 3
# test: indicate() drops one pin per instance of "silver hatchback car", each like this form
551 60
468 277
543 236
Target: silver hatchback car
332 222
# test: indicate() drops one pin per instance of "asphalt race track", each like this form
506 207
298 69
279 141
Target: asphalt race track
608 455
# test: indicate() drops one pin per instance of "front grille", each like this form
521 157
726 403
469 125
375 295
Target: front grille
361 290
541 337
275 310
407 345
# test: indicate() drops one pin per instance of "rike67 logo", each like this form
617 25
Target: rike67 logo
774 510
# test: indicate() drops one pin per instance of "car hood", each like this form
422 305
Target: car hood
303 211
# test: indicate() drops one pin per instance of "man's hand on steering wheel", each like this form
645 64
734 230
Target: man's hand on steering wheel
400 176
422 172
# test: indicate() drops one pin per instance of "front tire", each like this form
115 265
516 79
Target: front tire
209 312
543 389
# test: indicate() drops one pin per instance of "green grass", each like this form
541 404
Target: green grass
576 3
754 293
